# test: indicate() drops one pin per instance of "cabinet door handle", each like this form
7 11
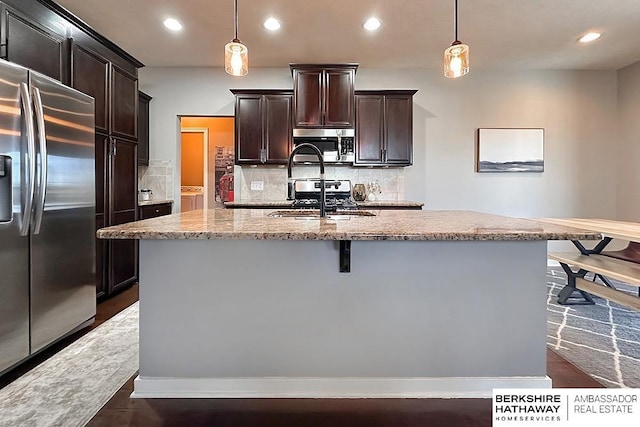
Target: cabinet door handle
263 155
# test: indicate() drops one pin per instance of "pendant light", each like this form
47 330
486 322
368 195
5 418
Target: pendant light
456 57
236 54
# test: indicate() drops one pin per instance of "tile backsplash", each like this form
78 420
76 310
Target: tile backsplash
157 177
274 180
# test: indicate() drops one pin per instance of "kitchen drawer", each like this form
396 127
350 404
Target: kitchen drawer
152 211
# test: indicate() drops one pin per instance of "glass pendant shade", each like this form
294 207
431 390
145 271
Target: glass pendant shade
456 60
236 58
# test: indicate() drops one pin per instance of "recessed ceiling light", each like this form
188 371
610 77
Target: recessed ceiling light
172 24
589 37
371 24
272 24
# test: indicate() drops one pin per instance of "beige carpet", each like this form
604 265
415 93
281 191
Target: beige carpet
69 388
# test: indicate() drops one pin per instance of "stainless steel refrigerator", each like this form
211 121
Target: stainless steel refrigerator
47 212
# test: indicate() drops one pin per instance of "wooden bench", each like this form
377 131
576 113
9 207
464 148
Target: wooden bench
622 265
618 269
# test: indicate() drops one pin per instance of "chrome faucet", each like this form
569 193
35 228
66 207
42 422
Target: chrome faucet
318 153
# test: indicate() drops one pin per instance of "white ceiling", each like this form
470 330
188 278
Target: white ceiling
534 34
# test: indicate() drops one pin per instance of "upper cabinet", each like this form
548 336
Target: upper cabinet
114 88
263 132
33 44
90 74
143 128
384 128
323 95
124 103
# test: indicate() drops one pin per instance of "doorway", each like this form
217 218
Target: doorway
207 152
193 167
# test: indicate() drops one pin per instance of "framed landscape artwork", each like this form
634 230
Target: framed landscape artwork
510 150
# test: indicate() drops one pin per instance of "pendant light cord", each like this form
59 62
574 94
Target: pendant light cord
455 20
235 22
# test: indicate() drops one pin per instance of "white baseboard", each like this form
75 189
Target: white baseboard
329 388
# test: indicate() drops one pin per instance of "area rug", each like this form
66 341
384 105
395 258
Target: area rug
603 339
69 388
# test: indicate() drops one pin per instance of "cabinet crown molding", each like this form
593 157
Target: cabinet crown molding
350 65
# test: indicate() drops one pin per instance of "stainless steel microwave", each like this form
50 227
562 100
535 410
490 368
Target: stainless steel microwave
336 145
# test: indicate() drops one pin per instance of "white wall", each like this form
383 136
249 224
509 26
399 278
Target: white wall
629 137
578 110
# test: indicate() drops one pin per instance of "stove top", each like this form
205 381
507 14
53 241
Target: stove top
332 204
306 195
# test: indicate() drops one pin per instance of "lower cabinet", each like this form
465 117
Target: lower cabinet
123 207
190 202
152 211
116 203
101 244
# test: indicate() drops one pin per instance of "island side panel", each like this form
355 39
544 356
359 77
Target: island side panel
408 309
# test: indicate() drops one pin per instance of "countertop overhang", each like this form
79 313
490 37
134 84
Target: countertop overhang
276 204
152 202
416 225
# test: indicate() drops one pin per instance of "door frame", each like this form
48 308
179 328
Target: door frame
205 180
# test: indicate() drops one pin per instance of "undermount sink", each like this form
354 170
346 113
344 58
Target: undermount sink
315 214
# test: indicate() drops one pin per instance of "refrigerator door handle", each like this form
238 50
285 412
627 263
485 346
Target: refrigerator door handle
25 99
42 145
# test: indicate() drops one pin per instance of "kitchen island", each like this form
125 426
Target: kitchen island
238 303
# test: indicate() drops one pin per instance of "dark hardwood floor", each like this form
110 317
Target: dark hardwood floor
124 411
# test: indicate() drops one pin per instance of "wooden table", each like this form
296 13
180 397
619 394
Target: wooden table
607 227
604 265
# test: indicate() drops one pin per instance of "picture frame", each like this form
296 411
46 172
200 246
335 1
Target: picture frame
502 150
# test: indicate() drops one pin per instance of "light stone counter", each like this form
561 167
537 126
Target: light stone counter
154 202
259 204
406 304
283 204
385 225
400 204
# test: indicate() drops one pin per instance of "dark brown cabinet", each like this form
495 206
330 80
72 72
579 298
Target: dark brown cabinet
90 74
263 129
323 95
116 203
122 187
115 90
102 145
384 127
143 128
152 211
124 103
33 45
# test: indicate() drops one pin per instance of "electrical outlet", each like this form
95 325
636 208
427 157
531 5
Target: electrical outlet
257 185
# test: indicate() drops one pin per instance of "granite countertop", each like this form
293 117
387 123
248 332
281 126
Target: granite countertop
276 204
255 224
287 204
389 203
153 202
